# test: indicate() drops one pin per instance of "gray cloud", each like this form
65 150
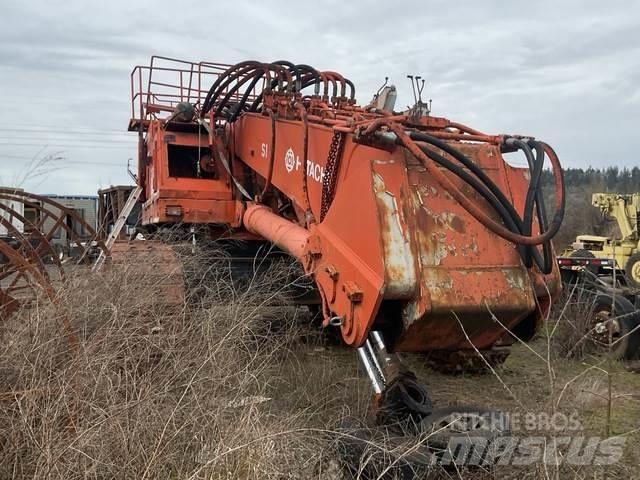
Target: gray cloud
568 72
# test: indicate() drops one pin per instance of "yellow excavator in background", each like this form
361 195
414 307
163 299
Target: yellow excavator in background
623 254
607 269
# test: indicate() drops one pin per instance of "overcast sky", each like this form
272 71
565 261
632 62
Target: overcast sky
567 72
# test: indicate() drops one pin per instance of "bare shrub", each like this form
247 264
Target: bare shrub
152 391
230 383
570 322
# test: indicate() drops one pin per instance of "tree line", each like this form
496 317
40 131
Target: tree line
610 179
580 216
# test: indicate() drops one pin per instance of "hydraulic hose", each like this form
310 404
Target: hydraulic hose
221 84
301 81
255 77
352 87
535 172
534 196
543 148
312 71
492 194
291 86
206 104
243 100
481 189
272 149
242 77
281 72
335 76
541 212
473 209
464 160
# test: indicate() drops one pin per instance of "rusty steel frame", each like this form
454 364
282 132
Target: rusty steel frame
38 278
25 269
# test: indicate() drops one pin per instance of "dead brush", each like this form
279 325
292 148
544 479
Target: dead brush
218 387
151 392
570 319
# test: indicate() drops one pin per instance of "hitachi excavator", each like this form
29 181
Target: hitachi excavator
416 233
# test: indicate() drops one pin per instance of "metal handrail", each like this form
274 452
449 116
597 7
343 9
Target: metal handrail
168 81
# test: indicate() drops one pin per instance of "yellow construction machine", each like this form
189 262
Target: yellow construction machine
603 254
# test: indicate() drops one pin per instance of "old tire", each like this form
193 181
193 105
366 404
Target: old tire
622 318
632 271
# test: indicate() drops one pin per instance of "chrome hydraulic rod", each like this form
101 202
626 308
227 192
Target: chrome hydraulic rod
374 376
375 361
383 354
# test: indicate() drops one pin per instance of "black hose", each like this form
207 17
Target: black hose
541 212
244 98
256 77
481 189
301 68
311 70
534 196
237 76
527 221
477 171
278 69
293 68
352 87
296 68
206 105
482 184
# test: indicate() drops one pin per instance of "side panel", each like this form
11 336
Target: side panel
181 199
346 247
393 234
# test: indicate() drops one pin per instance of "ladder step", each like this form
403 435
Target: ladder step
117 227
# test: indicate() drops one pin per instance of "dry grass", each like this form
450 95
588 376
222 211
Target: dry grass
235 384
150 391
570 322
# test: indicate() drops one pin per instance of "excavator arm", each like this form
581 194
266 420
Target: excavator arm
388 233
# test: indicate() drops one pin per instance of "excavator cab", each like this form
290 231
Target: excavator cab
182 184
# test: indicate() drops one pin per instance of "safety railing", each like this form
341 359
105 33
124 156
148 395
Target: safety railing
158 87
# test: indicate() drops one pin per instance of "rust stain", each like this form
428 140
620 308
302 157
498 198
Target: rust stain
457 224
463 269
400 273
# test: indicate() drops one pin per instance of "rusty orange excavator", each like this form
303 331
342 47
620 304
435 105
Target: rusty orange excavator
417 234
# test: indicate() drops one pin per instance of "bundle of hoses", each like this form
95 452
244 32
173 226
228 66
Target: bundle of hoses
518 229
242 78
